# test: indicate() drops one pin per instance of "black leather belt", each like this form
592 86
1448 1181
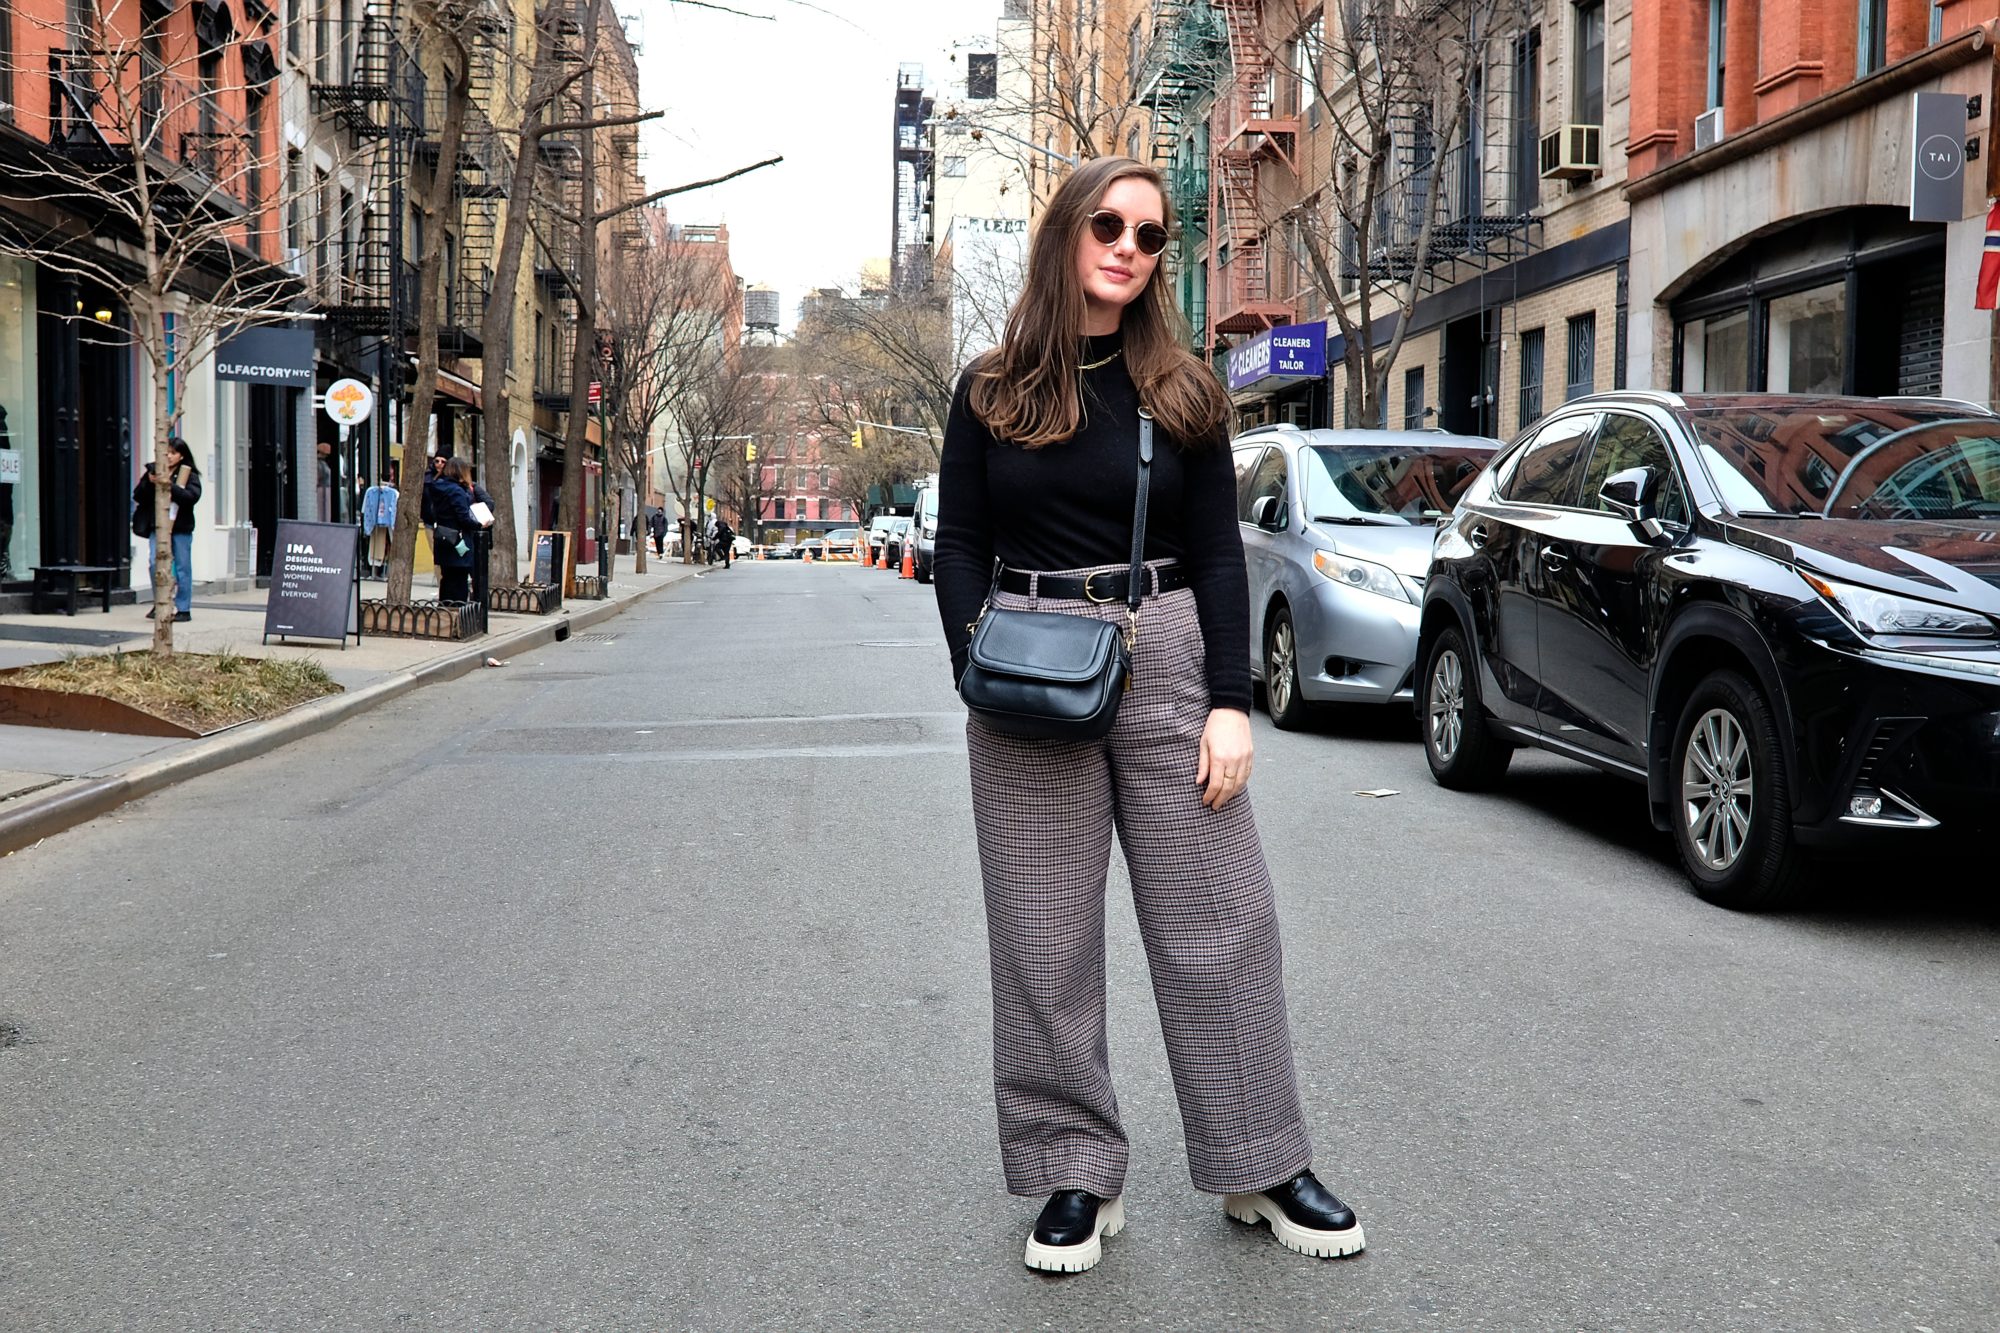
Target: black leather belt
1104 586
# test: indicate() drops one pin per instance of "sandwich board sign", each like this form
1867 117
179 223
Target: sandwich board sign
315 582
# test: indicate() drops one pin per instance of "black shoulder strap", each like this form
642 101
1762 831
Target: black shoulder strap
1135 581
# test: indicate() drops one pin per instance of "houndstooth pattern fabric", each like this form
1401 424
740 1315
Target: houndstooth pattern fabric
1045 812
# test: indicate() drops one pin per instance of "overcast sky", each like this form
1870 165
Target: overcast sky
817 85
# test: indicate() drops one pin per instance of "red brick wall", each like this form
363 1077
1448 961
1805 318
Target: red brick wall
1780 54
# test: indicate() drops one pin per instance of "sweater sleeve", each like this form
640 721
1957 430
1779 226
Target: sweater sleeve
963 562
1213 553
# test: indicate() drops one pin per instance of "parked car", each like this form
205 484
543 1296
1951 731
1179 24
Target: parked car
925 526
1782 614
781 551
878 535
842 541
1337 528
899 533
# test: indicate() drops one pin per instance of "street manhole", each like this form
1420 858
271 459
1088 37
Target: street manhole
11 1035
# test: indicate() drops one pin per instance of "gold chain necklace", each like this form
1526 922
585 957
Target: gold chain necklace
1096 365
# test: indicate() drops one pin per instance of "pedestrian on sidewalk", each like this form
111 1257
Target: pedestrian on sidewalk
657 525
184 488
725 541
456 523
1040 471
427 509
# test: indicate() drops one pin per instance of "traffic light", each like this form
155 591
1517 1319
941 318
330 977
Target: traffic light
857 437
750 452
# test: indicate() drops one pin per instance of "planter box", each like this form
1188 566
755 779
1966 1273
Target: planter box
423 620
31 706
590 587
527 599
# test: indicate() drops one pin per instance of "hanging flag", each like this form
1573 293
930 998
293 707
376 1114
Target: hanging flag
1988 295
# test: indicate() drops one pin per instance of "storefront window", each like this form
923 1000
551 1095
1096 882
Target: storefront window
20 436
1715 353
1808 333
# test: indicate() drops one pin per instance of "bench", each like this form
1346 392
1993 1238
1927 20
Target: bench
59 583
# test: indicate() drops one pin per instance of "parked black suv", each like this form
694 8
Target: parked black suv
1781 613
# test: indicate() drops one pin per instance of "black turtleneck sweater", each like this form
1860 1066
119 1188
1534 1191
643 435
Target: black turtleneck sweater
1069 506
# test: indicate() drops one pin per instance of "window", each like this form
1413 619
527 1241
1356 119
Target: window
1627 442
1527 112
952 166
1806 332
7 59
1532 352
1582 377
1588 96
982 76
322 205
1305 67
1718 43
1715 353
293 24
1937 21
541 349
1413 398
347 273
253 167
1132 70
1132 144
1872 51
1246 468
294 183
1268 481
777 509
1548 470
323 41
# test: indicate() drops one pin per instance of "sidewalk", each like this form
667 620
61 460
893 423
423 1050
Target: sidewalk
51 779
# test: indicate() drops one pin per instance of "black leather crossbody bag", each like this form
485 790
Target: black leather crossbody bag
1049 676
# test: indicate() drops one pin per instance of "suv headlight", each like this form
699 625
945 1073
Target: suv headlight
1363 574
1881 614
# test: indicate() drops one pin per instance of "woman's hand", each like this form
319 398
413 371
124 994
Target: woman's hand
1225 756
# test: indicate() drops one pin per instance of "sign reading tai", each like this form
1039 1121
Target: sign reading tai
1289 351
315 583
1937 157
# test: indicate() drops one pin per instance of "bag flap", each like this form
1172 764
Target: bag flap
1043 644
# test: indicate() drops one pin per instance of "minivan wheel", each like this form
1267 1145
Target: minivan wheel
1282 696
1732 807
1463 754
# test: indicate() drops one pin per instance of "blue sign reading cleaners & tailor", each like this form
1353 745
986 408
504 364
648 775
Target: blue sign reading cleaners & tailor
1289 351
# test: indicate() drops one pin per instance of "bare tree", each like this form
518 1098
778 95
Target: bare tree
1401 83
156 190
722 403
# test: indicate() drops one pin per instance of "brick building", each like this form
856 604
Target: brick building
1773 245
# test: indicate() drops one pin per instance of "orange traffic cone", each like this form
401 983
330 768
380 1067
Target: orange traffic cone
909 562
808 555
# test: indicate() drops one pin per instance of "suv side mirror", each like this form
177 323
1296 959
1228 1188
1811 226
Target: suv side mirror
1630 494
1267 512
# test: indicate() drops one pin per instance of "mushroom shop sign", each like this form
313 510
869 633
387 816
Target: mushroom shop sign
1288 352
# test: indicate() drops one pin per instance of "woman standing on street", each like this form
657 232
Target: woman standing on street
1040 472
456 523
184 488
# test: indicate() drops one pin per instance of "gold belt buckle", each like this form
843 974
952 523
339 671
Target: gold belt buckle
1101 601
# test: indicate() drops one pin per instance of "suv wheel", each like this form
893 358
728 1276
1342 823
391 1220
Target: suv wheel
1732 811
1282 696
1462 753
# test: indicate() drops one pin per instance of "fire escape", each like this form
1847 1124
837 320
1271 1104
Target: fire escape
558 191
371 87
1187 59
1483 188
1250 130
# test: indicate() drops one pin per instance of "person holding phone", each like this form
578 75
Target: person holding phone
184 490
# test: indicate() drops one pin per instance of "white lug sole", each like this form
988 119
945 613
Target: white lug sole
1084 1254
1255 1208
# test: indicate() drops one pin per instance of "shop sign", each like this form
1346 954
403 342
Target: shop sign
315 582
267 355
1289 351
1937 158
349 402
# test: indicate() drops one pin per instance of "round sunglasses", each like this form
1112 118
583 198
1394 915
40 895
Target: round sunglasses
1108 227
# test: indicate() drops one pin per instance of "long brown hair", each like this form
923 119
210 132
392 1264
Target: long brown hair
1025 391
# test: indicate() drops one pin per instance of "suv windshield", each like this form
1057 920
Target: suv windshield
1373 484
1887 461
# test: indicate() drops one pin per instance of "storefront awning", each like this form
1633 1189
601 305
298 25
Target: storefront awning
1278 358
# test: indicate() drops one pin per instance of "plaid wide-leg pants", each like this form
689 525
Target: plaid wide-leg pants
1045 812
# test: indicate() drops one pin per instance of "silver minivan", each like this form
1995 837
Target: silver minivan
924 529
1337 528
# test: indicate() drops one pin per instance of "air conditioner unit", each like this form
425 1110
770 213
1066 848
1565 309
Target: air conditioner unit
1574 152
1707 128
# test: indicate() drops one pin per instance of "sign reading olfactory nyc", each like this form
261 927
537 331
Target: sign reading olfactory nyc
267 355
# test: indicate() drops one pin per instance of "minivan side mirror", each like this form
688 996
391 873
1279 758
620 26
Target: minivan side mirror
1630 494
1267 512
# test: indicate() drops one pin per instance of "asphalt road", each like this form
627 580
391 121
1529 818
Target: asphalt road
641 985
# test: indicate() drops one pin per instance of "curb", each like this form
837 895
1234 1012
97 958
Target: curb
36 819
